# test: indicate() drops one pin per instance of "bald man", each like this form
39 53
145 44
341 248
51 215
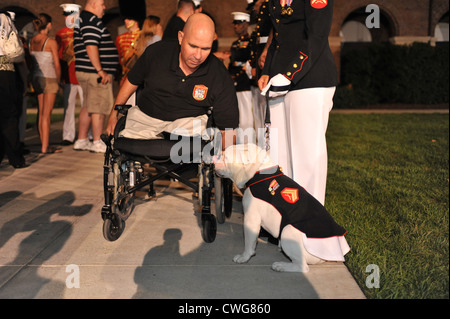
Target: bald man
179 81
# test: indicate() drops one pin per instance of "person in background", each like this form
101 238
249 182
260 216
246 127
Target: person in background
96 60
46 77
198 6
133 14
258 11
176 23
9 107
22 70
300 76
240 69
71 87
151 33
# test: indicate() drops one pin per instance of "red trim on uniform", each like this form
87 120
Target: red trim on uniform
265 179
301 66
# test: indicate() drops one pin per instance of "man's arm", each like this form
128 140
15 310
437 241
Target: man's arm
126 90
94 56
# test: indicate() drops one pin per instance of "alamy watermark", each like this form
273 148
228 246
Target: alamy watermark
208 143
73 279
373 19
373 279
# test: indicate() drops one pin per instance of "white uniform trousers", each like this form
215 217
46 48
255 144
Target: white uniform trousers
245 105
299 122
70 96
259 113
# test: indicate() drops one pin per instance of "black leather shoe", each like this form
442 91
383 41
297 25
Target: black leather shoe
20 165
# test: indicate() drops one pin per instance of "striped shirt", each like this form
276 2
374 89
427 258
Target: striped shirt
89 30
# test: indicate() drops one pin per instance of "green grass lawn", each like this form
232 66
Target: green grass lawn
388 185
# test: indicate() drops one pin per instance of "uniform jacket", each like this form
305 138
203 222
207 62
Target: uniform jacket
296 206
64 38
240 54
300 49
323 237
126 46
260 35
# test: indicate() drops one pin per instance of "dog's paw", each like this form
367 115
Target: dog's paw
289 267
240 259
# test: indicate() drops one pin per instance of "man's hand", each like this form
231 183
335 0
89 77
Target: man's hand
277 86
262 82
262 59
126 90
106 78
112 121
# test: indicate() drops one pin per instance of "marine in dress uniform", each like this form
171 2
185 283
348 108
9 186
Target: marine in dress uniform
302 80
64 38
240 71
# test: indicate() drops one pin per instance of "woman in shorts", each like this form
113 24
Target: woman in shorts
46 75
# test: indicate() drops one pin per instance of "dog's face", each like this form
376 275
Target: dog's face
241 162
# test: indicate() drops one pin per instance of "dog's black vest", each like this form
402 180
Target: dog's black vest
296 206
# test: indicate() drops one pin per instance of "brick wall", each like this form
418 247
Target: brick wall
409 18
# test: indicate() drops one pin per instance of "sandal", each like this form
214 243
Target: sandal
52 149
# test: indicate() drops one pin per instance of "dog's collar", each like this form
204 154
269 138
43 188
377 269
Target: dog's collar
264 174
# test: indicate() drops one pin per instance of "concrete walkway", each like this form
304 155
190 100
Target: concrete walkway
51 242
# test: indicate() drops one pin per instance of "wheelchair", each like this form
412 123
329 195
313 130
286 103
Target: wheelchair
125 171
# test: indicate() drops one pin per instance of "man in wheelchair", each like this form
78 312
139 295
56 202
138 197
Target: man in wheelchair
179 85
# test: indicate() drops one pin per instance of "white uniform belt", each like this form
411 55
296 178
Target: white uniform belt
263 39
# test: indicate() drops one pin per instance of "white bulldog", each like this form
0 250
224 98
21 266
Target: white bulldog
307 233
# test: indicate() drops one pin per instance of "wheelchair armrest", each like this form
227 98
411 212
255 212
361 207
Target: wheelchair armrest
122 108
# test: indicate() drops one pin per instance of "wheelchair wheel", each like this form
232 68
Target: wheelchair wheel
223 198
219 200
123 202
124 207
209 226
113 227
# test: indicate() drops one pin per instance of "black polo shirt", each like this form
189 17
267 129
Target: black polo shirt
175 24
168 94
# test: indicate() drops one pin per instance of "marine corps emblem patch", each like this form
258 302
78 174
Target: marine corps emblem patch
290 195
200 92
319 4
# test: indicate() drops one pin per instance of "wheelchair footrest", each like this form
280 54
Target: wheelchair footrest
106 212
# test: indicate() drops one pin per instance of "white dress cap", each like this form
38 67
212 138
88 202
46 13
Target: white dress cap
70 7
241 16
12 15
